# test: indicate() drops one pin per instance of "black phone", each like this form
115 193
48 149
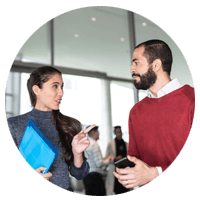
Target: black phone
123 163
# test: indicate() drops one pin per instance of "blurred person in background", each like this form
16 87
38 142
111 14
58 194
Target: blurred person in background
118 149
94 182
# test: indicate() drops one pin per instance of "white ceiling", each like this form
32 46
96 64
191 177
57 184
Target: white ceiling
98 46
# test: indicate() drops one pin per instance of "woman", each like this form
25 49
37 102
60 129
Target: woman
45 87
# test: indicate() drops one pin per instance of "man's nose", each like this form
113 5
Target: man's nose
132 68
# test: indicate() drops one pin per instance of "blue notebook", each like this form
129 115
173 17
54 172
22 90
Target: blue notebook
37 150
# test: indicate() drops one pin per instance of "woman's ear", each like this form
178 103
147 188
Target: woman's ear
36 90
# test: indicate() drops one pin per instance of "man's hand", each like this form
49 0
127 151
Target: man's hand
109 157
136 176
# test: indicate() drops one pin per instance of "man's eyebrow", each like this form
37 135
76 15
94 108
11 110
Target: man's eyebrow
134 59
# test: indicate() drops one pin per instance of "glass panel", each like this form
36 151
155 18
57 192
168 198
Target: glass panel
36 48
9 104
82 99
94 38
8 115
9 83
25 104
122 97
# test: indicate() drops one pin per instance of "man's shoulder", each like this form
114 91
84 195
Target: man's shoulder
93 143
188 91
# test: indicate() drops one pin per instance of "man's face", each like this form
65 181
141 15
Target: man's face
118 133
95 135
142 72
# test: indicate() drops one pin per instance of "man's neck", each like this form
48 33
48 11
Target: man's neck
159 84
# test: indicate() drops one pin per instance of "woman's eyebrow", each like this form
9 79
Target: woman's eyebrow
55 83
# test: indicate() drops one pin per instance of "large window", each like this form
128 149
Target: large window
81 98
122 97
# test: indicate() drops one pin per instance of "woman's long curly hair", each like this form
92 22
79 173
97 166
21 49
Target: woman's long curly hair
67 127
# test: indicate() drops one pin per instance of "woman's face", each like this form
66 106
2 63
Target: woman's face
50 95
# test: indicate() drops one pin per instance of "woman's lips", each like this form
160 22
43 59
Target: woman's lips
59 101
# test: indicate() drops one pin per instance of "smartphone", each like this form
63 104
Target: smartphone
123 163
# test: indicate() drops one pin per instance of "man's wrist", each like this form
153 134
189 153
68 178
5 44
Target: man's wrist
154 172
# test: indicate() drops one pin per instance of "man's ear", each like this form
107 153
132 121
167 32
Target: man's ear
36 90
157 65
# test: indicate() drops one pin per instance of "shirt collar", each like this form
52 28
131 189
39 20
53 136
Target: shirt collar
170 87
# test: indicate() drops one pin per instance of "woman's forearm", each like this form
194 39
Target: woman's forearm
78 160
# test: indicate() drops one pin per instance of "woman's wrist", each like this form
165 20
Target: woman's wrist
78 160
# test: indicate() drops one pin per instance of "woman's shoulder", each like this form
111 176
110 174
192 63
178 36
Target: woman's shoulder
18 120
17 126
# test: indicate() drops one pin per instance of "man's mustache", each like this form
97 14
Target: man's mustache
135 75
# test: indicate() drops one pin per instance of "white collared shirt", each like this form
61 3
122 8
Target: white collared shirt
170 87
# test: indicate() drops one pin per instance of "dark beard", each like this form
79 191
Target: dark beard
146 80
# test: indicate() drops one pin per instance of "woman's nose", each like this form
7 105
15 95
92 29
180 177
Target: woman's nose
61 92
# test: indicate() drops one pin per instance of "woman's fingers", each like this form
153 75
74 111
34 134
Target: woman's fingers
46 175
38 170
89 128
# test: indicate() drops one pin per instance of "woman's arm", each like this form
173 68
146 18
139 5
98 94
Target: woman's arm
80 173
78 160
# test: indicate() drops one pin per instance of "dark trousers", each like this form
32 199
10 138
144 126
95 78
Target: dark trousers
119 188
94 184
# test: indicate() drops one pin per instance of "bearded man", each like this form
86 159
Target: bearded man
160 123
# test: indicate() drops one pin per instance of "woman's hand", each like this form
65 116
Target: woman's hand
46 176
81 142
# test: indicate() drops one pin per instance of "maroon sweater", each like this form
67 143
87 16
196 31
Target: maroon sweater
159 127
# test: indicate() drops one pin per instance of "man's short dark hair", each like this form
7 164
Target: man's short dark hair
116 127
93 129
158 49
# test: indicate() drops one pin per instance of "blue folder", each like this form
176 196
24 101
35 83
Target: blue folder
37 150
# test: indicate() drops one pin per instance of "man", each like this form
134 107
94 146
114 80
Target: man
94 183
160 123
118 149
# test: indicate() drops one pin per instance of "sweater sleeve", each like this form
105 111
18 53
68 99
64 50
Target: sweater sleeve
191 115
80 173
132 147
